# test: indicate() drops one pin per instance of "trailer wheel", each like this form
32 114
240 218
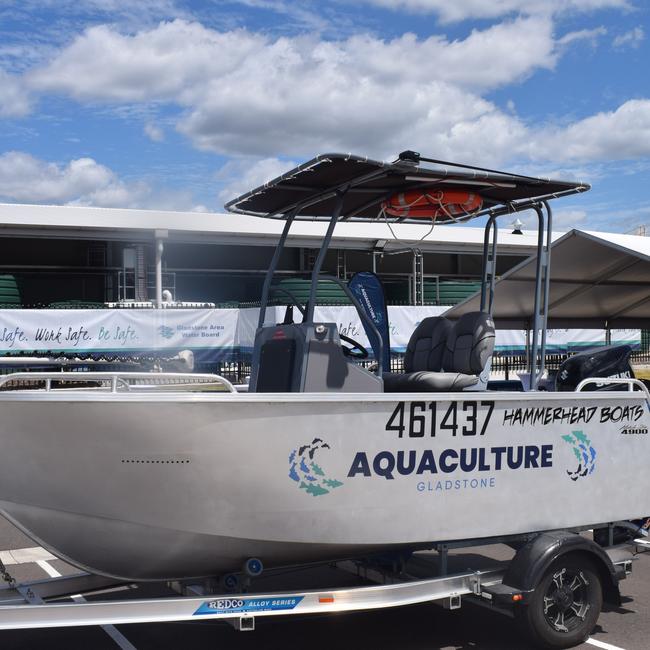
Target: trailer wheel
565 605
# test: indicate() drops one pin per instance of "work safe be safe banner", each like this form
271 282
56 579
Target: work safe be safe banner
214 332
127 330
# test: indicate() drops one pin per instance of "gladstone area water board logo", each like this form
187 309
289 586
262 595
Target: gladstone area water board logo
165 332
304 470
584 452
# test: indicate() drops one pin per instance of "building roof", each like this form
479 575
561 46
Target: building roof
199 227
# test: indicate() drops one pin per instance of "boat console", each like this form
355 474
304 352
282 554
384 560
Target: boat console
306 357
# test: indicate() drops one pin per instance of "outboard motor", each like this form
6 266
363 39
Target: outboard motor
611 361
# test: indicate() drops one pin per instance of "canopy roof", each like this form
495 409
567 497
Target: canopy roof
311 188
598 280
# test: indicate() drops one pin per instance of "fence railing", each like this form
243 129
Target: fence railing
237 368
238 371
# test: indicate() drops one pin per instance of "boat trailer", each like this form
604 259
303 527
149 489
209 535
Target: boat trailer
80 599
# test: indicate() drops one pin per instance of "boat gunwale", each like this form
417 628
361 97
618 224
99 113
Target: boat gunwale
74 396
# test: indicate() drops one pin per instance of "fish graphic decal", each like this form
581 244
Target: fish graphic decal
307 472
584 453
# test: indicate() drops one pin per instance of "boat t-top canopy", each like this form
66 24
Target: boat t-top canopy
340 187
312 189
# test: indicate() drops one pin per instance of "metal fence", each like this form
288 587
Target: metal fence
239 370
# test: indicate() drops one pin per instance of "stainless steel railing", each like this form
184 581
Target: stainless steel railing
115 381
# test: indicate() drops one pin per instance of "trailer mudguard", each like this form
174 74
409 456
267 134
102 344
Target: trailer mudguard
532 560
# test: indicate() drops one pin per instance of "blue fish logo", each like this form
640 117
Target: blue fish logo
304 470
584 453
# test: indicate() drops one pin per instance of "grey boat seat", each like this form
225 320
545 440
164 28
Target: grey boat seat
442 357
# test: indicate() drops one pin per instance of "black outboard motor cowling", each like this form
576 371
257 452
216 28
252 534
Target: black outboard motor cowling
610 361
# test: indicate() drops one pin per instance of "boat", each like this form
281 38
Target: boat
319 457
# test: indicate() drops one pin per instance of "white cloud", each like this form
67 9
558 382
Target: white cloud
468 9
242 175
154 132
14 100
633 38
614 135
184 62
83 181
248 94
568 219
300 15
171 62
590 35
124 12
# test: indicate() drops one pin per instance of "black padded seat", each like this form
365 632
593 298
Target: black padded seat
425 381
427 345
470 343
466 348
423 358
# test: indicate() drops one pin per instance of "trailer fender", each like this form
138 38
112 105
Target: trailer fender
531 561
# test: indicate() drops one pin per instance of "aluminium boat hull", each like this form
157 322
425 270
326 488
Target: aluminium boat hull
152 487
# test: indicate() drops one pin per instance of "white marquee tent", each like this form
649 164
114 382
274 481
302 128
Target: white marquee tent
598 281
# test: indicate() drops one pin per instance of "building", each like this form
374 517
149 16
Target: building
80 256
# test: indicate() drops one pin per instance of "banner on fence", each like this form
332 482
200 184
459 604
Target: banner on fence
214 332
561 341
116 330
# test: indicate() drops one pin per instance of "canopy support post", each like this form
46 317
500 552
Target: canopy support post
338 207
542 288
489 264
418 277
274 265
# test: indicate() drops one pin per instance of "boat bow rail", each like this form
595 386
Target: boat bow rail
116 381
630 382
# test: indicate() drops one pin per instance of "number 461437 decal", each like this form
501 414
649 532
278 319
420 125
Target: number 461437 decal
420 419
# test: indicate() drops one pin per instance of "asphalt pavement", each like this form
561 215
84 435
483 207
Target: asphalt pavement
419 627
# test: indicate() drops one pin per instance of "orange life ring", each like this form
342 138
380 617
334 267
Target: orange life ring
423 204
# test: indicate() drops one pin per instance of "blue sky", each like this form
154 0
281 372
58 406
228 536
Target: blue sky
173 104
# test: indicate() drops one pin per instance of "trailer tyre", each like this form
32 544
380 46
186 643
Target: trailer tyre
565 605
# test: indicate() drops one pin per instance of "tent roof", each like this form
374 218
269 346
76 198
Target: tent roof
598 280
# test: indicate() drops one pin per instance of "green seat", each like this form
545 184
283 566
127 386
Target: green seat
76 304
328 293
9 292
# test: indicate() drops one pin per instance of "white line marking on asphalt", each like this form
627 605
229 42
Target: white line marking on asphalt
48 568
111 630
25 555
602 644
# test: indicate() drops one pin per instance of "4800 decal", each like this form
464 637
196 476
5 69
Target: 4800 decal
420 419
